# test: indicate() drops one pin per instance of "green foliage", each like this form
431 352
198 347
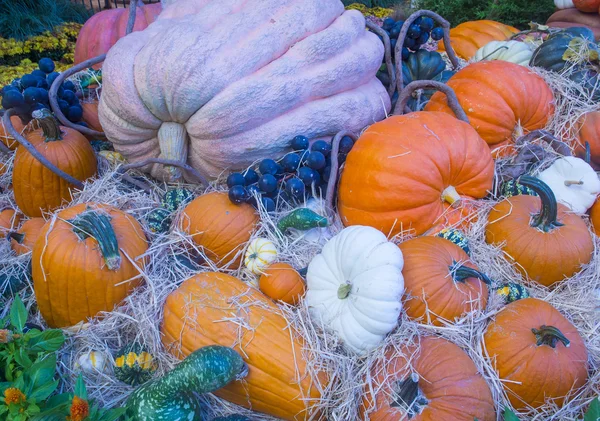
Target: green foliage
511 12
21 19
372 3
593 411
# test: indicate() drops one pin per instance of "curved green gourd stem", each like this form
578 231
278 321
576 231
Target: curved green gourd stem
547 219
409 397
49 125
302 219
550 335
172 396
96 225
461 272
588 153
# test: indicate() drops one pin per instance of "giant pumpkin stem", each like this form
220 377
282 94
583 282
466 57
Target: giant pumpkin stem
409 397
460 273
49 125
547 219
550 335
93 224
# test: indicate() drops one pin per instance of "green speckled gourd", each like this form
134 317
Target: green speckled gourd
172 397
302 219
175 198
134 365
513 188
457 237
159 220
511 291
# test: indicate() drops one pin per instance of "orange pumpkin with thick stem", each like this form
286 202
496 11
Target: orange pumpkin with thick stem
24 238
217 309
9 221
538 354
219 227
588 130
37 189
441 283
546 241
404 172
90 115
587 6
6 138
502 100
86 260
281 282
433 381
469 37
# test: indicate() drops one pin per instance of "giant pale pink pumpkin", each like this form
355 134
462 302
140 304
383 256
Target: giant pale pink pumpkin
220 84
104 29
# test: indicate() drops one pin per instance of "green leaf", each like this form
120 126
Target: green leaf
22 358
43 371
80 390
47 341
42 392
18 314
510 415
112 414
593 411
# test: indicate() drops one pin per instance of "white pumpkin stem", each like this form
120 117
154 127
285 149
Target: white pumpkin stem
451 196
569 183
344 291
173 142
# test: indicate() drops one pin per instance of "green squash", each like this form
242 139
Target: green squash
424 65
511 292
457 237
159 220
513 188
172 397
302 219
13 279
175 198
134 365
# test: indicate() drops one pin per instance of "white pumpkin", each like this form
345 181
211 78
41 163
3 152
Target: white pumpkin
355 287
512 51
92 362
574 183
260 254
564 4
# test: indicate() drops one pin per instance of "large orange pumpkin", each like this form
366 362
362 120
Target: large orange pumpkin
538 353
281 282
469 37
546 241
588 6
217 309
502 100
9 221
86 260
433 381
404 172
219 227
36 188
105 28
441 283
595 217
24 238
588 130
6 138
90 115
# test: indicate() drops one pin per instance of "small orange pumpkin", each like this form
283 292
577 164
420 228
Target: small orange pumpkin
36 188
218 226
281 282
90 115
587 6
85 261
22 241
537 352
595 217
9 221
588 131
468 37
547 241
6 138
433 381
441 283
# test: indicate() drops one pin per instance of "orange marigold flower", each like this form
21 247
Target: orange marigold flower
12 395
80 409
6 336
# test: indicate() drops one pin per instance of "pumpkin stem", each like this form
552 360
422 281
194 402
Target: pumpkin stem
451 196
550 335
569 183
547 219
344 291
18 237
460 273
93 224
48 124
408 396
504 47
588 153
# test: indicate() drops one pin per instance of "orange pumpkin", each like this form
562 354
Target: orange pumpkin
22 241
281 282
469 37
36 188
85 261
595 217
548 247
588 6
460 218
9 221
432 382
404 172
537 353
219 227
502 100
588 130
6 138
199 313
90 115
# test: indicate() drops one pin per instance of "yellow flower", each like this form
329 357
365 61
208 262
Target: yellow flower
12 395
80 409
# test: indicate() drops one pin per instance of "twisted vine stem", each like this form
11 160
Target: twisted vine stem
335 167
195 173
388 55
401 105
559 146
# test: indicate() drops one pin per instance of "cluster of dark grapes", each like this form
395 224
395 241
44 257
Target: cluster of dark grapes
30 93
418 34
293 179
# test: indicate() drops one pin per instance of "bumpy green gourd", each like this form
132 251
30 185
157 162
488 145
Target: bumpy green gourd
134 365
457 237
512 292
302 219
172 397
176 198
159 220
513 188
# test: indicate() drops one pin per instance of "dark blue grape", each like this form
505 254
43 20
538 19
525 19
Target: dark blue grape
418 20
423 38
43 96
405 53
410 43
75 114
326 173
235 179
426 24
28 80
395 31
39 106
251 176
12 99
43 83
52 77
64 106
393 44
69 96
268 204
346 144
30 95
388 23
316 160
253 190
300 143
46 65
342 158
68 85
321 146
437 33
9 88
238 195
268 183
291 162
268 166
39 73
60 92
414 31
309 176
295 188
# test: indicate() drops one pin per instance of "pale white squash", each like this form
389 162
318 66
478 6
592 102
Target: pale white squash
260 254
92 362
512 51
564 4
355 287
